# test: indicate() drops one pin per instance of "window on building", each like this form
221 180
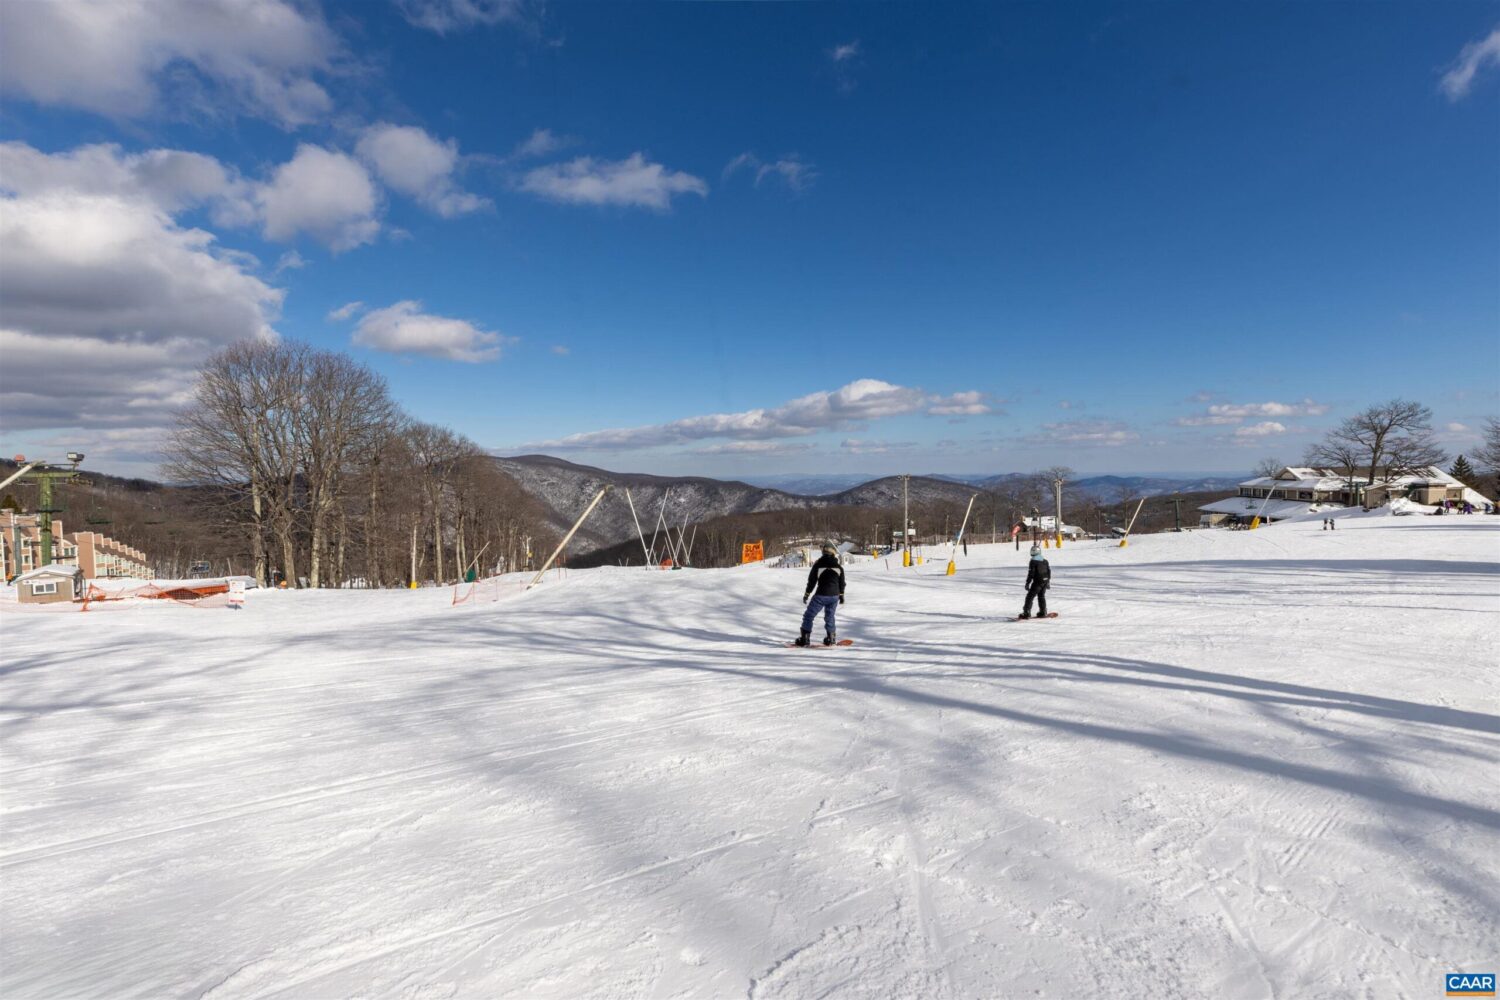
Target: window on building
44 588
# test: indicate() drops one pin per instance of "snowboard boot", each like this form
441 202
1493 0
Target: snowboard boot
1025 614
805 639
830 639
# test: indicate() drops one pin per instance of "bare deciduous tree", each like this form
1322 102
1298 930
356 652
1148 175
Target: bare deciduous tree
345 404
236 435
1267 468
305 452
1488 453
1387 440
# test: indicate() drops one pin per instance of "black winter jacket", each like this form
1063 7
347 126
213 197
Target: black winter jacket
1039 574
826 577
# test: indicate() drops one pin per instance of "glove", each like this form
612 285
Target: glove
841 598
804 598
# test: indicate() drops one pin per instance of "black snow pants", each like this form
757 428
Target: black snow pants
1038 593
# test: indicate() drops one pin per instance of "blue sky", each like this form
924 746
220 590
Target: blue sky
746 239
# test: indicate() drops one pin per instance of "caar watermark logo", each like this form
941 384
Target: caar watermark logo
1470 984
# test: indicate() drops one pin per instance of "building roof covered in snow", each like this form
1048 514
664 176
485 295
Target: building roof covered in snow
1276 510
49 570
1299 479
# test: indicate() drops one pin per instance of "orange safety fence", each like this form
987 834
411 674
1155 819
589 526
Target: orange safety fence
488 589
205 595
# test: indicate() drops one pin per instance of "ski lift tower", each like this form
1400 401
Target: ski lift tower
45 474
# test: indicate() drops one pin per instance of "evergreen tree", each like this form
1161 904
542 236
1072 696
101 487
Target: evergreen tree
1462 470
10 503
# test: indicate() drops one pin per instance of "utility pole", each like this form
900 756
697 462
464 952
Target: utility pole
46 475
1177 511
905 520
1057 485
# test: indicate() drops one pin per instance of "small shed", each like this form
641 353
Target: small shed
50 584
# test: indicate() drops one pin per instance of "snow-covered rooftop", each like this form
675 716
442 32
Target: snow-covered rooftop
51 569
1251 506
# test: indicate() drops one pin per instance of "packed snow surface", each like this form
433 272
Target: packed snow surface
1240 764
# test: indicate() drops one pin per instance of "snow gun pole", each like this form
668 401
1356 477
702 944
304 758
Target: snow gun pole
475 564
656 528
1255 521
1126 540
645 553
567 538
953 556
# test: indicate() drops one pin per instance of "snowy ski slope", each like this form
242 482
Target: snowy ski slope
1254 764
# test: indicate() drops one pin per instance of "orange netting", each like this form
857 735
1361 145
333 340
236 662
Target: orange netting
488 589
213 594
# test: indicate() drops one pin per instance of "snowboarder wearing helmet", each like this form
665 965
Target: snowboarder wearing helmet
1038 579
825 592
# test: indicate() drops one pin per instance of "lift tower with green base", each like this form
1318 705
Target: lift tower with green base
46 474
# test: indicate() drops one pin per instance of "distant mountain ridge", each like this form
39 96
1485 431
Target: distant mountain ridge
1094 487
565 488
1112 487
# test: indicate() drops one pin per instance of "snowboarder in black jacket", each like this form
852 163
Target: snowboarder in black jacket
825 592
1038 579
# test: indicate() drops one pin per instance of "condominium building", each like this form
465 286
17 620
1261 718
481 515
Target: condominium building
96 554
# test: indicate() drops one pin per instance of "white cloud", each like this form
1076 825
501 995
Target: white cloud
758 448
857 446
404 329
110 307
412 162
960 404
849 406
1265 428
171 179
542 142
289 261
1457 428
561 350
321 192
791 170
633 182
444 16
122 449
325 194
111 56
1084 433
345 311
1459 79
844 58
1224 414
